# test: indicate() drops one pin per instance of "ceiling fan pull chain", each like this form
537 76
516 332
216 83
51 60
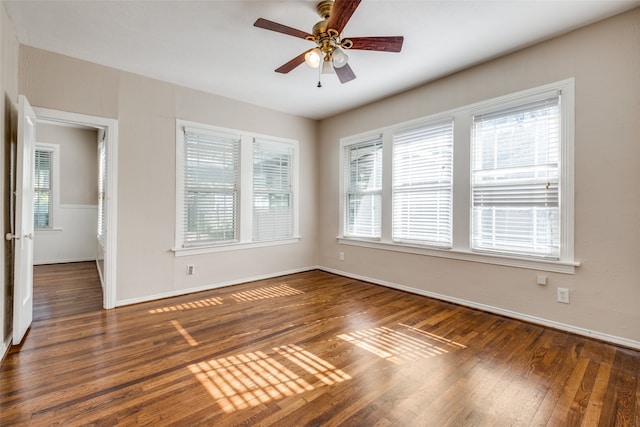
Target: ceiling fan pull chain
319 76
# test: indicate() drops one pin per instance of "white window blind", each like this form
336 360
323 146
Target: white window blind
102 178
272 190
211 186
363 189
515 179
43 195
422 185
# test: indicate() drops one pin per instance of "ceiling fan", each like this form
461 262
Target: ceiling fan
328 55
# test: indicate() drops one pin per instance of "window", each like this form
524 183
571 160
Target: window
490 182
363 188
43 194
46 179
422 184
234 189
272 190
515 179
211 184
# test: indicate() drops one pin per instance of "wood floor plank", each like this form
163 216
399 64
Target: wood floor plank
311 348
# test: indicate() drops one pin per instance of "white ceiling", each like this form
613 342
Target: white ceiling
213 46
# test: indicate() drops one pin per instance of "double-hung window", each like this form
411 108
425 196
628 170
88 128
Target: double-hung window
273 200
43 188
515 177
234 189
422 184
363 188
489 182
211 187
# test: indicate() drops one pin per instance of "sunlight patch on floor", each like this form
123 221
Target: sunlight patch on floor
268 292
201 303
321 369
395 346
249 379
182 331
434 337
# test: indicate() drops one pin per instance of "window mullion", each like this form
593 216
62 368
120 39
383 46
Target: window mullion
387 187
246 195
461 179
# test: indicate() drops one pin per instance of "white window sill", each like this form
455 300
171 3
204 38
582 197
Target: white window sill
565 267
179 252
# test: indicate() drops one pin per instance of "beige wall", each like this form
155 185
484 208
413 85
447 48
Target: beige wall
604 58
146 110
8 119
78 162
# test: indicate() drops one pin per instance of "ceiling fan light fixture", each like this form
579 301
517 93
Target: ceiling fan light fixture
340 58
313 58
327 68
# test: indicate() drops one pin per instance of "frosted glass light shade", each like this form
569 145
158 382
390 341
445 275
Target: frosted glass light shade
313 58
340 58
327 68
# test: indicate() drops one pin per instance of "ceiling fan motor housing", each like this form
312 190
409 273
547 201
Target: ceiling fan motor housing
327 39
324 8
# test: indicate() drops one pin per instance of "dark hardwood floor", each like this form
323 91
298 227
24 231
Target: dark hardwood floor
61 290
305 349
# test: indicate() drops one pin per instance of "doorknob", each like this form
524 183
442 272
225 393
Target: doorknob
10 236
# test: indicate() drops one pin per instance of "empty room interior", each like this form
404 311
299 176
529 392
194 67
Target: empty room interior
364 213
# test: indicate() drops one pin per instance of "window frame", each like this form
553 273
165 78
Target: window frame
462 203
277 148
397 190
223 145
54 149
245 236
510 110
359 141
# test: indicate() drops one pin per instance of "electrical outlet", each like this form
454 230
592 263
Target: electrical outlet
563 295
341 256
191 269
542 280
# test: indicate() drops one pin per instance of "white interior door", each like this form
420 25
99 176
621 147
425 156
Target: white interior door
23 267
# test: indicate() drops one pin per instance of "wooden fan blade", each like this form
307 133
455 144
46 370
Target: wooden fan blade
285 68
341 13
380 44
345 73
279 28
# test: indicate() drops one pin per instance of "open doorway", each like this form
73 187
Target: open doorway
93 213
67 193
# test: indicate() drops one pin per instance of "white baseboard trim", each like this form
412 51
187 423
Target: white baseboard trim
63 261
179 292
625 342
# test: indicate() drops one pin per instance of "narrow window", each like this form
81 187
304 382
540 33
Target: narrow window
422 185
363 189
272 190
515 179
43 194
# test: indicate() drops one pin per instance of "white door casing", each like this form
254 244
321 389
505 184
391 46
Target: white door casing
110 127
